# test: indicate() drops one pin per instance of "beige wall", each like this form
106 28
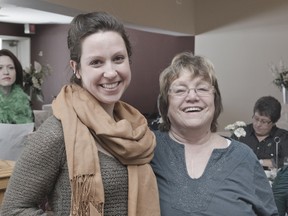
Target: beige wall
242 45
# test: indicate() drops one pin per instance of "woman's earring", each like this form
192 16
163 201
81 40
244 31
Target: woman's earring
75 74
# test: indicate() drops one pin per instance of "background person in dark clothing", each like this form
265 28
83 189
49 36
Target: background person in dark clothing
263 136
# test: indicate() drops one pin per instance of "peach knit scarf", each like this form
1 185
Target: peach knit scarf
128 139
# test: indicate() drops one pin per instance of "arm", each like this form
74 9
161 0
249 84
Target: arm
266 205
35 172
279 187
267 163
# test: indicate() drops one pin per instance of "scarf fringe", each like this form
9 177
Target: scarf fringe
82 198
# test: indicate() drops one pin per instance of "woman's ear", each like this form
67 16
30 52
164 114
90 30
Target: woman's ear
73 65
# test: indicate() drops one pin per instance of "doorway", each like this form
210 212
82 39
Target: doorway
20 46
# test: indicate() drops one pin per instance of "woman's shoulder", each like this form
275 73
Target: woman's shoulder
159 133
242 149
51 127
240 145
281 132
50 133
165 145
51 123
45 145
161 137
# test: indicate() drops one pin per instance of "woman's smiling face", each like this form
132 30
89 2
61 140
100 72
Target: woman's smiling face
105 68
191 110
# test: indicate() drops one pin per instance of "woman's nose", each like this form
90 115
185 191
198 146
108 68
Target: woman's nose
192 93
257 123
5 71
110 71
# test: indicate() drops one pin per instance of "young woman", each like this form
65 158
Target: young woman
14 102
92 156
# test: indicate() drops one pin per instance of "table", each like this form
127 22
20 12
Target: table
6 168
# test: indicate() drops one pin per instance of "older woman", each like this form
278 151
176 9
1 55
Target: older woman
198 171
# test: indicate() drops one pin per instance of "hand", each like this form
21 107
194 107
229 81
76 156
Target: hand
267 163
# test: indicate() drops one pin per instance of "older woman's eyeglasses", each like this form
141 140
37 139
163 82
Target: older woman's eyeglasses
183 91
261 121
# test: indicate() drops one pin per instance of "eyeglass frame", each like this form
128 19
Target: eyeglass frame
263 122
207 92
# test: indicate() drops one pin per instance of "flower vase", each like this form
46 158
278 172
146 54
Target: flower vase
30 93
284 95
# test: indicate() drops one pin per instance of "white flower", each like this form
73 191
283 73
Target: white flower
280 74
27 70
230 127
240 132
41 81
240 123
237 128
37 66
36 83
33 78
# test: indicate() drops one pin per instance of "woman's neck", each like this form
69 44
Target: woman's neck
109 108
191 138
5 90
261 137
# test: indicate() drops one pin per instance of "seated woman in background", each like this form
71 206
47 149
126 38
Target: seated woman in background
263 134
15 105
198 171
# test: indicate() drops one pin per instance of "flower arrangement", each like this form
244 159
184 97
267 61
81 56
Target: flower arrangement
280 74
33 79
237 128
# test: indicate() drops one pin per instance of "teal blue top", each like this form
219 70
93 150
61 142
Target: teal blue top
233 183
15 108
280 190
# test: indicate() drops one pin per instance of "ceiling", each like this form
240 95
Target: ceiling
16 14
177 17
42 12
